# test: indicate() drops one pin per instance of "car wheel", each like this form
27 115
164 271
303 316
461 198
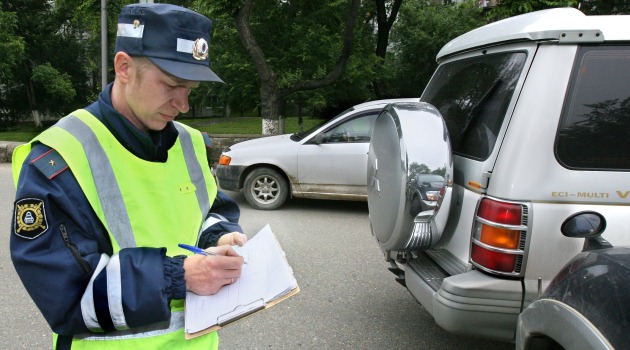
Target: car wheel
416 205
265 189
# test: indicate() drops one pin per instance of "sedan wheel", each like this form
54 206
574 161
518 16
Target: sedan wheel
265 189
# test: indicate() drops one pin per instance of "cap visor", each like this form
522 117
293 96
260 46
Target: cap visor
186 71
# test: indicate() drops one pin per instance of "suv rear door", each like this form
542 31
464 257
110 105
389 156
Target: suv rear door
476 94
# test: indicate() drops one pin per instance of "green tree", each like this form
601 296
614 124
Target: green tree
49 77
604 7
231 62
509 8
293 45
11 49
11 45
421 31
386 14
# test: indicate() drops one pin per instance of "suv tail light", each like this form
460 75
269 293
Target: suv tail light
499 237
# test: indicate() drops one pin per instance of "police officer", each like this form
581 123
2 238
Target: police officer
105 196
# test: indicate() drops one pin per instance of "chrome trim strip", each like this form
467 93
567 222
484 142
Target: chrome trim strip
499 225
497 249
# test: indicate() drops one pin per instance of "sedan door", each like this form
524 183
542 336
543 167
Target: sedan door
335 165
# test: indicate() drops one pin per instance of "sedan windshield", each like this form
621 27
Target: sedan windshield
302 134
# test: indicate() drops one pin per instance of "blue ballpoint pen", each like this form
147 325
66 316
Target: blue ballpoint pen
195 250
198 250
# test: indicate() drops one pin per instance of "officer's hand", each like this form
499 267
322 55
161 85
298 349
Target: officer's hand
232 238
205 275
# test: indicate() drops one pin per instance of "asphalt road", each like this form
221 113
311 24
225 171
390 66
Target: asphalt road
348 299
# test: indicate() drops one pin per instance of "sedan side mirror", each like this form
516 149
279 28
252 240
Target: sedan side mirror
318 139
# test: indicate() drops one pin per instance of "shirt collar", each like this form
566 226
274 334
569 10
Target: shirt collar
151 146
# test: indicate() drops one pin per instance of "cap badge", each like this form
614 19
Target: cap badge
200 49
136 23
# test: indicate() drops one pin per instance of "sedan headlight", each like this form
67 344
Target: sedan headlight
433 195
225 160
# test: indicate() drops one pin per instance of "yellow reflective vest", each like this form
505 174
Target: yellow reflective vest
141 204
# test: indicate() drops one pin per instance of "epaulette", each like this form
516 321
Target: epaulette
207 139
51 163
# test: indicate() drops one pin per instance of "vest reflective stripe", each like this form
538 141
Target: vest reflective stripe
87 301
196 174
174 324
104 179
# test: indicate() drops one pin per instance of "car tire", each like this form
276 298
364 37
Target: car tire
416 205
265 189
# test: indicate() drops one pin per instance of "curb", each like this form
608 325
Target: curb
6 150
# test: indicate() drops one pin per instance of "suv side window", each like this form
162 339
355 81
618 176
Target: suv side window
594 131
473 96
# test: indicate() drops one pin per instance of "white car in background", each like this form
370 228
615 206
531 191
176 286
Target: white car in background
328 161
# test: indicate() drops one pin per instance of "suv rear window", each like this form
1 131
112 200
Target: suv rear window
594 132
473 95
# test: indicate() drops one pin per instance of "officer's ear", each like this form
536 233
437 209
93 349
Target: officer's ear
122 62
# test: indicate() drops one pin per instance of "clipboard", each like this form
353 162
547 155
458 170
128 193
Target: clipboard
266 280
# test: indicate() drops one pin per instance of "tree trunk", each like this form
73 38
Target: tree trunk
30 95
300 120
268 82
270 93
270 109
384 27
36 118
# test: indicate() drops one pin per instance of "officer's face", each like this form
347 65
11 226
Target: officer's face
155 97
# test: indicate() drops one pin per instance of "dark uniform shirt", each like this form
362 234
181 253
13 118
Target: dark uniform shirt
57 258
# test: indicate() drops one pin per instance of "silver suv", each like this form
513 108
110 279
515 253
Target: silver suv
528 122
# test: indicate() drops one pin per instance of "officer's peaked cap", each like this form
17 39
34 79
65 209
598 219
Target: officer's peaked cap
173 38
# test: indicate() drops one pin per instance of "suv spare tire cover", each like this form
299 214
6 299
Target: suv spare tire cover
409 138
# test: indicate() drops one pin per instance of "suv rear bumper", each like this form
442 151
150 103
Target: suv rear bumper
470 303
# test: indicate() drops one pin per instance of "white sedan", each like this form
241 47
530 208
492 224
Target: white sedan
328 161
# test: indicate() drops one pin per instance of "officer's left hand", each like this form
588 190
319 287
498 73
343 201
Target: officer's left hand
232 238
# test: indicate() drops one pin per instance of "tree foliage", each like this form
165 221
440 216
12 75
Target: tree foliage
11 49
423 28
50 75
301 48
508 8
604 7
11 45
53 82
386 15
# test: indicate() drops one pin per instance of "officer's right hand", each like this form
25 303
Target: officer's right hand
205 275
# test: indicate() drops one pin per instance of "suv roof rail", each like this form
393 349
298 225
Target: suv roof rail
565 25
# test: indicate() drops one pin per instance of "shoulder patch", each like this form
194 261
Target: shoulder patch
50 163
30 218
207 139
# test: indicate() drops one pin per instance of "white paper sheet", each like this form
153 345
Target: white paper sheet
265 277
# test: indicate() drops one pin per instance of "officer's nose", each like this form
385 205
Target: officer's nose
180 100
